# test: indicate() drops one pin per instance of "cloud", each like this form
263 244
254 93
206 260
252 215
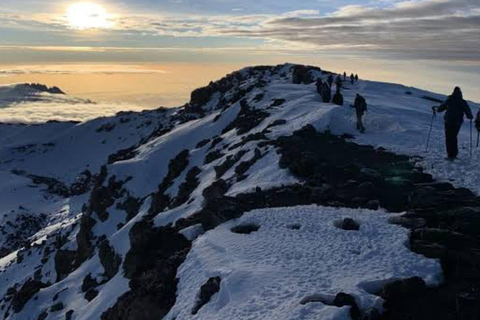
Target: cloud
438 29
426 29
43 112
77 69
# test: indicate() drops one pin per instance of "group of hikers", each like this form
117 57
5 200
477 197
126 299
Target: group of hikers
324 89
455 108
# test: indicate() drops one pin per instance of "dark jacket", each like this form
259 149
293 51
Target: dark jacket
338 99
326 93
477 121
360 105
455 108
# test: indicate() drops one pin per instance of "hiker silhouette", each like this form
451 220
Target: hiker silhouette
455 108
338 97
360 106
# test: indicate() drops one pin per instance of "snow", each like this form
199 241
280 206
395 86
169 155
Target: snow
267 273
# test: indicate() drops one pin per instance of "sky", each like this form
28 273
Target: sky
433 44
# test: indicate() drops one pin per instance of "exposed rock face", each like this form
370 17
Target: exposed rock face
302 74
176 166
211 287
64 263
27 291
247 119
245 229
24 226
151 264
109 259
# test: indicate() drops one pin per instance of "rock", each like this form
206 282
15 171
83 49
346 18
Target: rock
243 167
84 238
408 222
468 305
109 259
57 307
69 315
91 294
151 264
27 291
89 283
43 315
207 290
245 229
410 287
302 75
247 119
64 260
277 102
344 299
216 190
348 224
187 187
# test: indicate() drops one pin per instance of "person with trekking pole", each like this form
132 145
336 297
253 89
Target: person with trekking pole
434 115
477 125
455 108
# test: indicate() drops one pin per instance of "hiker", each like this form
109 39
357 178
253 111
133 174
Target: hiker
319 85
330 80
338 82
477 121
356 77
455 108
477 125
326 93
344 76
360 106
352 78
338 97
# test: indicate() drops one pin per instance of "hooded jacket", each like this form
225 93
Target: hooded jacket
455 108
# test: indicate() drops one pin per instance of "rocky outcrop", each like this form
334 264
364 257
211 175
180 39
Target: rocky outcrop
303 75
207 290
247 119
109 259
151 265
26 292
176 166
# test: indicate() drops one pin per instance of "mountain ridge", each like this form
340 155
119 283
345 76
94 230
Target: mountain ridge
159 179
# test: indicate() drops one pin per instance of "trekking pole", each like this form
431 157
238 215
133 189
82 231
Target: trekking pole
478 138
471 140
431 127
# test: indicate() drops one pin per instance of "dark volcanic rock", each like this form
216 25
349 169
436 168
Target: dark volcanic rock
64 263
245 229
344 299
302 75
348 224
175 167
27 291
151 264
109 259
247 119
207 290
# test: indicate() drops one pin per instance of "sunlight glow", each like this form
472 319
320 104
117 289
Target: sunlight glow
88 15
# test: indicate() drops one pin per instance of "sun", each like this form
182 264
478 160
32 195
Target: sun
87 15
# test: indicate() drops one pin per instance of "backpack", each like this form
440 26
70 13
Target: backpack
362 106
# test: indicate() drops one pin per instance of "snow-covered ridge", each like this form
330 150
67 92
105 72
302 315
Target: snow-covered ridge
140 187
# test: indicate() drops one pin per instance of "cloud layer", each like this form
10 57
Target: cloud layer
426 29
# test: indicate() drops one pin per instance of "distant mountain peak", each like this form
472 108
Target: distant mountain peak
44 88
